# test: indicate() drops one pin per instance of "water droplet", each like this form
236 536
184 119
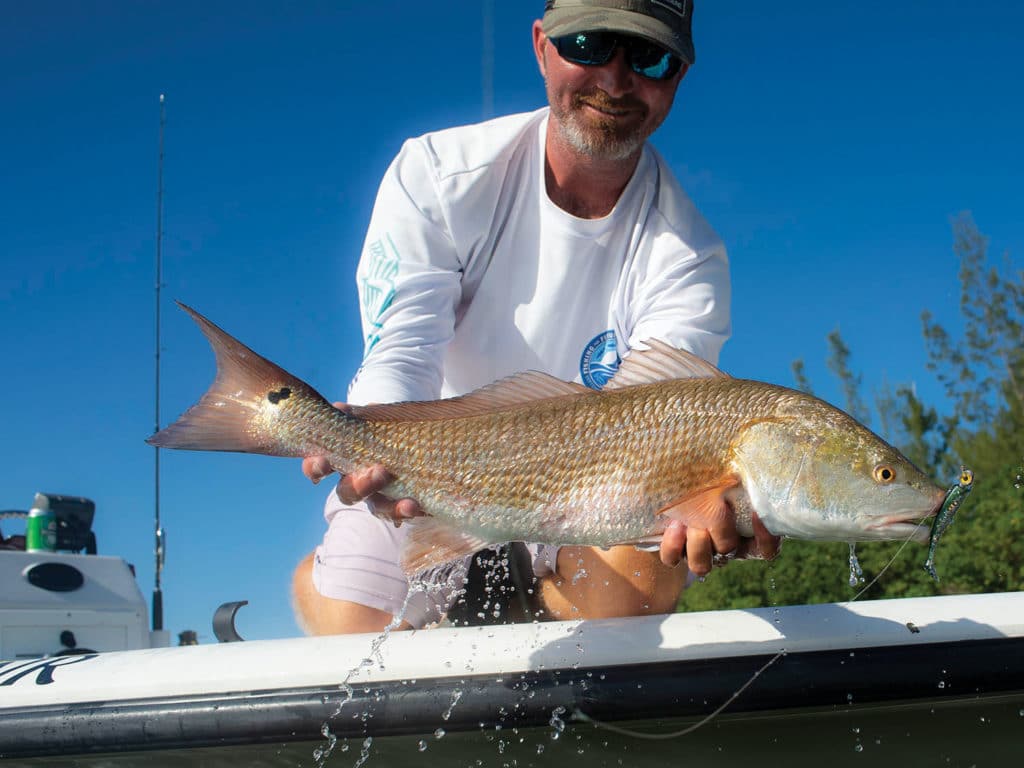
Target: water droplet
540 749
422 746
858 747
942 683
439 733
556 723
364 753
580 574
856 572
456 695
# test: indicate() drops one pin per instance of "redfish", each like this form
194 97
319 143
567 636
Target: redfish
534 458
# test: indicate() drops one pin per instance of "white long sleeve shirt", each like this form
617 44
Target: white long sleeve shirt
470 273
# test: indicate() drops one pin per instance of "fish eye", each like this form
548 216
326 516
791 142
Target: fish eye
883 473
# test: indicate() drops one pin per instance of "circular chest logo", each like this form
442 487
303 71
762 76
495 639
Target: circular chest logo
600 360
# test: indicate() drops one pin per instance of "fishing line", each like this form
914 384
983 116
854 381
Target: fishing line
891 561
578 714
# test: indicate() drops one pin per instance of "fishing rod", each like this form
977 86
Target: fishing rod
487 61
158 595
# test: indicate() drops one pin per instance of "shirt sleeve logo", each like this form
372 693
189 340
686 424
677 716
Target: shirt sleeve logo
377 287
600 360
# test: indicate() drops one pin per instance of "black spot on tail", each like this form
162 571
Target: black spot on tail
282 394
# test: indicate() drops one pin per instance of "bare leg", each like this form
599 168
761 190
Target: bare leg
319 615
620 581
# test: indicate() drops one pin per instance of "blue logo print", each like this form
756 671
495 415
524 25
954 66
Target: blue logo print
600 360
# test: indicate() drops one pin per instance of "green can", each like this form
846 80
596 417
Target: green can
40 531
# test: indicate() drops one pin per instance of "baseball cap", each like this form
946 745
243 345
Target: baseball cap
666 22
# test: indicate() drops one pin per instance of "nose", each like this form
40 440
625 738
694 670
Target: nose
616 77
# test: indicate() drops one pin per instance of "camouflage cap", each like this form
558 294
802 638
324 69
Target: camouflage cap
666 22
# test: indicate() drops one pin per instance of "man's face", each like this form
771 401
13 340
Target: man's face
605 112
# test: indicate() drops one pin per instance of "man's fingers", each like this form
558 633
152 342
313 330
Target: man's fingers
316 468
394 510
699 550
673 540
767 543
362 483
406 508
763 546
724 539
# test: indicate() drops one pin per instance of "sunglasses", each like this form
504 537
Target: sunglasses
597 48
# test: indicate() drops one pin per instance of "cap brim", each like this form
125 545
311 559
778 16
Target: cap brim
567 21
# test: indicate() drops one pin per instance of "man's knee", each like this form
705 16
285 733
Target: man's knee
596 584
319 615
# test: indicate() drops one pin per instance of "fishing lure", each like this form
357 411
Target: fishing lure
954 498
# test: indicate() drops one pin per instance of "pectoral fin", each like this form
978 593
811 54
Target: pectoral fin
431 543
706 509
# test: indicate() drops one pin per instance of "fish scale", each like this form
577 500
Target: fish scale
557 453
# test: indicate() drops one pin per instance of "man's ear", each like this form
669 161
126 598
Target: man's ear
539 40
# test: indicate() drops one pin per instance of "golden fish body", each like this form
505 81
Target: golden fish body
533 458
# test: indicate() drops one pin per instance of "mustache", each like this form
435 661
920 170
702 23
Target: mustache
595 97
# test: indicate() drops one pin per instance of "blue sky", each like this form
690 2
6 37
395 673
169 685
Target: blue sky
829 144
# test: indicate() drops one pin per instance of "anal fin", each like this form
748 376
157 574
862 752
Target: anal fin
432 542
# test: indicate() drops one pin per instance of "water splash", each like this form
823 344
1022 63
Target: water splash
456 695
556 722
321 753
856 572
364 753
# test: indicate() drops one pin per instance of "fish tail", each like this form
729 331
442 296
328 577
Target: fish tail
251 407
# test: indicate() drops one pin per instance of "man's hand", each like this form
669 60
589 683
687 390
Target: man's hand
704 548
364 484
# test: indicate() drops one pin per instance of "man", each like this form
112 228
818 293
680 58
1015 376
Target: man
550 241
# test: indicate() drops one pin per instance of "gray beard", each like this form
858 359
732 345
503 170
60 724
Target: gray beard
596 143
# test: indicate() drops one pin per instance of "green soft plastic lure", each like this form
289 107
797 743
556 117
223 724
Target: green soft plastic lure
954 498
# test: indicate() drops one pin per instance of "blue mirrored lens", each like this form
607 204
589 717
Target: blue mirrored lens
661 69
591 48
651 60
597 49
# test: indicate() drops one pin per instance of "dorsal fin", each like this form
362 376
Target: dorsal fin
660 362
520 389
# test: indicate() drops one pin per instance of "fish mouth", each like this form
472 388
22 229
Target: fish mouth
910 524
